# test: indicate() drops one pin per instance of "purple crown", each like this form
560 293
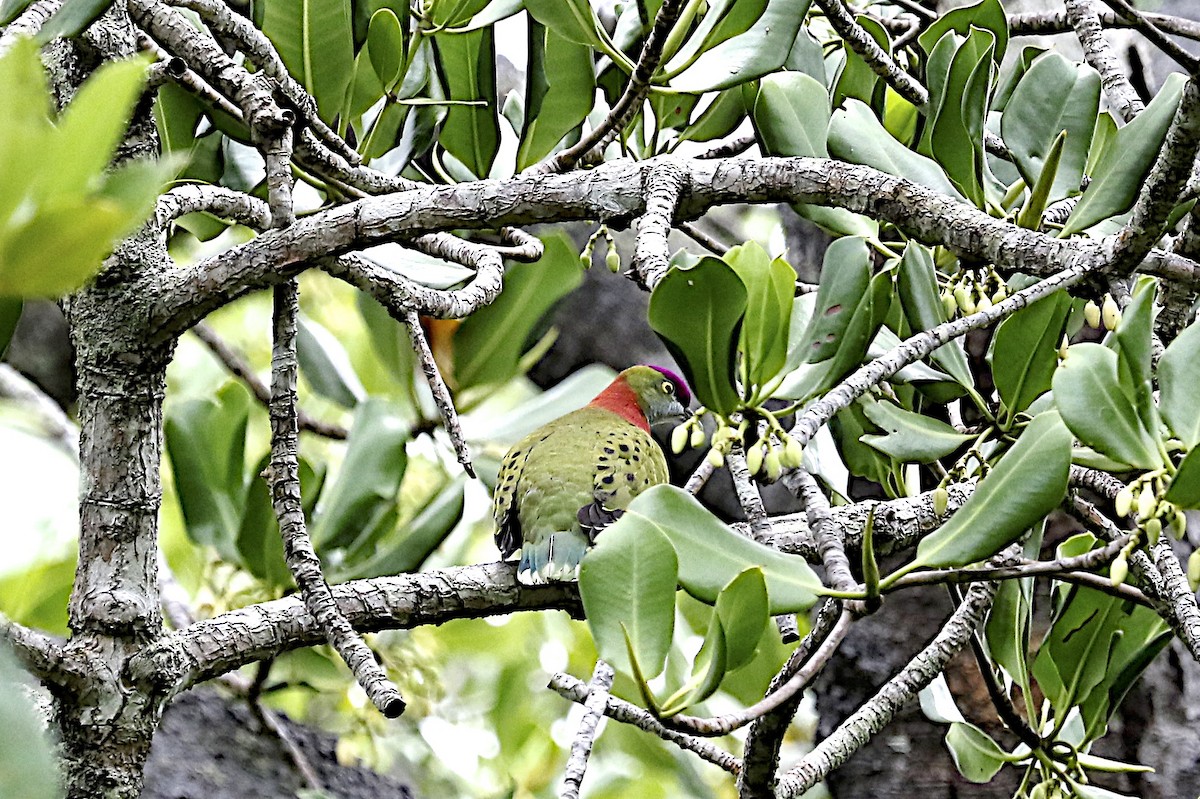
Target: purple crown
681 386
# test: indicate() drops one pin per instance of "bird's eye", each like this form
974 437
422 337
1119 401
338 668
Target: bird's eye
668 387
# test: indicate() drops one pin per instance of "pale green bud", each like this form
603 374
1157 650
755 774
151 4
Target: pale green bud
1146 502
613 259
1110 313
1091 314
963 298
715 458
585 259
698 436
1000 295
984 304
1153 530
754 458
1124 502
774 467
948 303
1178 524
1119 570
1062 348
1193 570
793 453
941 499
679 438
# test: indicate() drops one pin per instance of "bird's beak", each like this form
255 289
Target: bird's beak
675 413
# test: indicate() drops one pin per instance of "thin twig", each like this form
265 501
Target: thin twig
439 389
581 747
723 725
1098 54
574 690
630 101
241 369
1041 23
709 243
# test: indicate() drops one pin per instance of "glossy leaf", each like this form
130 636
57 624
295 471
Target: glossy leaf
206 442
917 287
471 133
315 39
1132 341
722 20
707 672
627 585
1008 627
956 133
404 548
1178 378
558 95
698 314
770 290
762 49
711 554
1028 482
911 437
11 9
489 344
1053 96
976 754
1118 177
1025 351
1185 485
718 119
325 364
369 478
1088 393
857 136
571 19
742 608
386 45
844 279
987 14
791 115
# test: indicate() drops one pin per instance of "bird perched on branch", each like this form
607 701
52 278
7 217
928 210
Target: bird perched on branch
563 483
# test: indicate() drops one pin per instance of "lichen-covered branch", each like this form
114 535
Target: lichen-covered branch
581 747
1099 55
439 389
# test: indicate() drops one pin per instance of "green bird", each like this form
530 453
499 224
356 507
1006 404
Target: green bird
563 483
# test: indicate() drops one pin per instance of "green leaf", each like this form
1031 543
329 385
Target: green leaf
762 49
1118 177
857 136
1030 216
698 314
489 344
770 290
988 14
917 287
1027 483
722 20
1008 625
1053 96
471 133
1185 485
206 442
707 671
315 39
405 548
1087 391
627 585
28 766
719 118
10 315
1132 342
742 608
386 46
711 554
845 276
326 366
956 133
71 19
452 13
573 20
11 9
1025 351
258 541
791 115
559 92
976 755
369 479
912 437
1178 377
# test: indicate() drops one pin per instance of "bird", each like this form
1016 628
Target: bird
562 484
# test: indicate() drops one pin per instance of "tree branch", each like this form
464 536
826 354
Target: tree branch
869 719
581 748
441 392
214 646
1098 53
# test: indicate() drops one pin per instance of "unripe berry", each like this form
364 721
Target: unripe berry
1091 314
1119 570
1178 525
1193 570
948 303
1111 313
1146 502
679 438
698 436
984 304
941 498
1124 502
1153 530
1000 295
793 453
613 259
754 458
715 458
774 467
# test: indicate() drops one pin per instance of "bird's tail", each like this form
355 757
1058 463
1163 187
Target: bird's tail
552 560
